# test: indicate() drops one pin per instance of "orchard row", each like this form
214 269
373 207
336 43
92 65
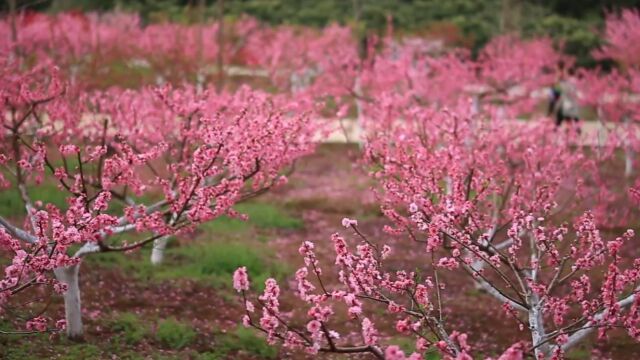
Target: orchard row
515 204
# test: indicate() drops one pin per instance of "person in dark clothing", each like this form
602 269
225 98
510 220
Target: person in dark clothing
561 103
556 107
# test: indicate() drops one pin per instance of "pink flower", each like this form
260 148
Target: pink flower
246 321
394 308
346 222
241 279
102 201
249 306
37 324
403 326
422 295
422 344
354 311
69 149
313 326
393 352
413 208
369 333
386 251
60 288
515 352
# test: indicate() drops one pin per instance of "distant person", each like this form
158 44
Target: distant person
563 104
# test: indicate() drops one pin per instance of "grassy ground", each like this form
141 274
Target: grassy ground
121 320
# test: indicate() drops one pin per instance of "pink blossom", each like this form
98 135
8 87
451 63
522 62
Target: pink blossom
69 149
241 279
313 326
369 333
346 222
515 352
393 352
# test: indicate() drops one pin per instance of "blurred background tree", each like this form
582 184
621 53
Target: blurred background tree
471 23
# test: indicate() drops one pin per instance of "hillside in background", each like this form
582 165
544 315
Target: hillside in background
470 23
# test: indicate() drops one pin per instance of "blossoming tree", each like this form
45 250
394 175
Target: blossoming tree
133 174
491 207
614 94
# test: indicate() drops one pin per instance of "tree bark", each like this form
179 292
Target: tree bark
510 18
72 304
220 59
157 253
15 52
628 149
200 79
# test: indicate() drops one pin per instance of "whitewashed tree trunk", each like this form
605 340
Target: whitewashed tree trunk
537 330
72 304
476 105
157 253
357 89
628 149
628 161
448 185
73 77
200 80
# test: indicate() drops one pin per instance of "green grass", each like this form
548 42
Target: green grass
11 204
578 353
41 346
225 245
10 347
210 262
241 339
81 351
261 215
129 327
16 353
226 225
174 334
216 262
407 344
130 355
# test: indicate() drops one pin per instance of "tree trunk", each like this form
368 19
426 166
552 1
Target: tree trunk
357 88
475 105
220 59
628 149
510 18
628 161
15 51
72 305
157 253
160 79
12 20
200 79
538 335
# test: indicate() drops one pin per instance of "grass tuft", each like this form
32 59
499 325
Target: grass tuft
261 215
129 328
240 340
216 263
11 204
174 334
